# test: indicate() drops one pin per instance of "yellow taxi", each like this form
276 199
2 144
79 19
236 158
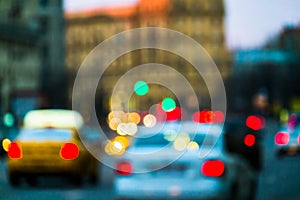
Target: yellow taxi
49 144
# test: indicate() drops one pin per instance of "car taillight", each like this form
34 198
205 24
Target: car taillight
282 138
69 151
249 140
124 168
255 123
214 168
14 150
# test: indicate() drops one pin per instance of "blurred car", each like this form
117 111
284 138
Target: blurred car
287 139
244 136
186 161
49 151
49 143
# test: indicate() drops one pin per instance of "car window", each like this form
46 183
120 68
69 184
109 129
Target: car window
204 140
154 140
161 140
46 135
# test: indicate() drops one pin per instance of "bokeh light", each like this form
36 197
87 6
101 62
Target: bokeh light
255 123
170 135
202 116
8 120
217 116
149 120
131 128
127 128
181 142
168 104
121 129
207 116
141 88
5 143
282 138
174 114
249 140
113 123
115 147
193 146
123 140
134 117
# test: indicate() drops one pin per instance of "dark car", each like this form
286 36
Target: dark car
244 136
287 139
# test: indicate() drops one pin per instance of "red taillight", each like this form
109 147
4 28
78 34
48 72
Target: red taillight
14 150
255 123
298 139
214 168
282 138
208 116
218 117
249 140
124 168
69 151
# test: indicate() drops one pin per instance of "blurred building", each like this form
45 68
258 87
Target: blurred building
289 39
201 20
31 54
272 72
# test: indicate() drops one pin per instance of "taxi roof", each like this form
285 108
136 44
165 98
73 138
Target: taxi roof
54 118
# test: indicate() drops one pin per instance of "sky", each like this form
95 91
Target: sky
248 23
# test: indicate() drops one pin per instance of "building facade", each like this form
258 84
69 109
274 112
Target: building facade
201 20
31 54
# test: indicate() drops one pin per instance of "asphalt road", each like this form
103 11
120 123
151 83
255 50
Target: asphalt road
56 188
279 179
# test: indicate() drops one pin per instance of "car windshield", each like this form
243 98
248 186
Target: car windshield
41 135
163 139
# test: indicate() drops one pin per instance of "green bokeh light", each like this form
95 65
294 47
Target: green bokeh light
168 104
8 120
141 88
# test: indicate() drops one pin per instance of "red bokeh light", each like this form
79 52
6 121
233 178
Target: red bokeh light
255 123
282 138
124 168
208 116
160 114
214 168
14 150
196 117
174 114
69 151
249 140
202 116
217 116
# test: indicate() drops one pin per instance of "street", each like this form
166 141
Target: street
279 179
88 80
56 188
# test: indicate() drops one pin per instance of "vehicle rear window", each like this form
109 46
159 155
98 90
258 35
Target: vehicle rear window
155 140
42 135
161 140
